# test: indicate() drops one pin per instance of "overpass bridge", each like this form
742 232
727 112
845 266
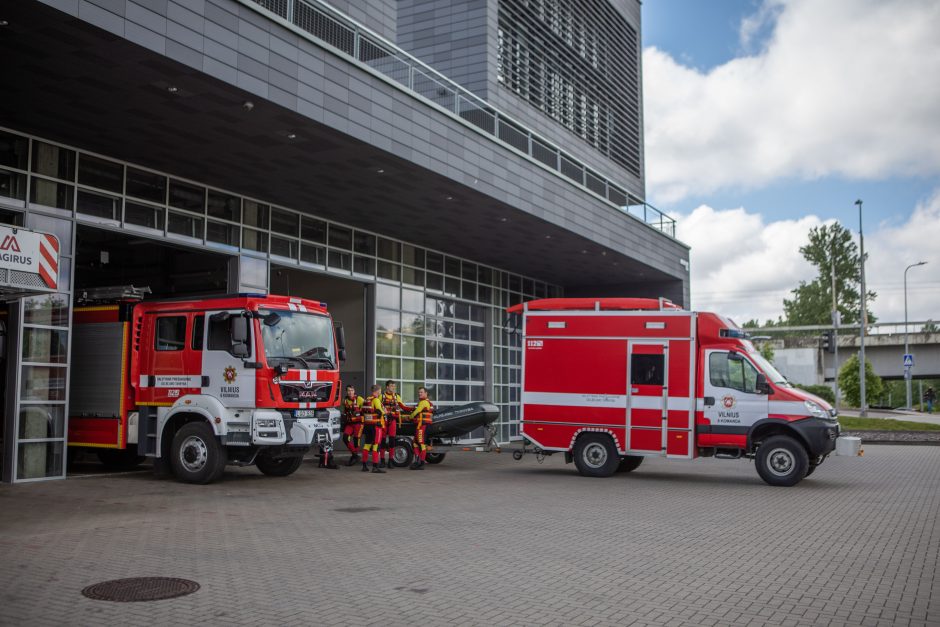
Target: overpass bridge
799 355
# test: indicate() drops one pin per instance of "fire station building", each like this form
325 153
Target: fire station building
418 165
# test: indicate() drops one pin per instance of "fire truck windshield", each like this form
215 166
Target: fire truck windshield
768 369
299 337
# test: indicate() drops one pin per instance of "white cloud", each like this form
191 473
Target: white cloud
841 87
743 267
890 249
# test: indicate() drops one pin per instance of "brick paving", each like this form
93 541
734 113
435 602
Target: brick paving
484 540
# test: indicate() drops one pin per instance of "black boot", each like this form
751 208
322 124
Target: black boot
365 466
416 464
378 470
381 462
353 459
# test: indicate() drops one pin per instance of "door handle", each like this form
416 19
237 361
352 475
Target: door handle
709 401
205 381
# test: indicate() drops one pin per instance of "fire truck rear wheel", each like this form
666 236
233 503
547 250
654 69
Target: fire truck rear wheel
278 467
630 463
595 455
782 461
196 455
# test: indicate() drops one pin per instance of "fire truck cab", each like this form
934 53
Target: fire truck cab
610 381
201 383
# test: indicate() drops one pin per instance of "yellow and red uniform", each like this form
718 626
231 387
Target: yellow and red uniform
373 417
352 423
422 416
393 407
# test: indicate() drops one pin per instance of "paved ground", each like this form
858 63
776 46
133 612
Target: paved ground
485 540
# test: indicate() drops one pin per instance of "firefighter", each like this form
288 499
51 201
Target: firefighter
352 423
373 416
422 416
393 408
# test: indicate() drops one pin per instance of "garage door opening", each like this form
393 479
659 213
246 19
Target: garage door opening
107 258
346 302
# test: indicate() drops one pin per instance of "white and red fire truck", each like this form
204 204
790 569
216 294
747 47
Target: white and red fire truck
204 382
609 381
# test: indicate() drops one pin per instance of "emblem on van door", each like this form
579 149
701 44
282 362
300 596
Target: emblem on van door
229 374
728 401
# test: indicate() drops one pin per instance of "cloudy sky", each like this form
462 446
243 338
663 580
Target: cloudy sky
765 118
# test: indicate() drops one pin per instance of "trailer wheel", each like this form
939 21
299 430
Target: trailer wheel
782 461
595 455
435 458
629 463
115 459
402 454
517 455
196 455
278 467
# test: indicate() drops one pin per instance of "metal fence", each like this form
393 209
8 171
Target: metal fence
330 27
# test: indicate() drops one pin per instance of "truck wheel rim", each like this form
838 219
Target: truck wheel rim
194 454
595 455
401 454
780 462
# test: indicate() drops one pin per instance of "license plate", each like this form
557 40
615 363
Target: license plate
304 413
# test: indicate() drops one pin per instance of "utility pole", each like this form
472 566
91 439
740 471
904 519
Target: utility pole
835 328
863 318
907 370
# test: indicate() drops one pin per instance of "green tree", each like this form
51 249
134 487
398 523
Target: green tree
849 382
812 302
930 327
766 349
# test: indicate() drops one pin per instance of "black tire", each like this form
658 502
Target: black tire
278 467
629 463
196 455
595 455
435 458
116 459
517 455
782 461
402 455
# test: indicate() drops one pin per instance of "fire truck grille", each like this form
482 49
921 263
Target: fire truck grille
298 392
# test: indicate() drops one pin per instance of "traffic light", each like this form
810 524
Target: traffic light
829 341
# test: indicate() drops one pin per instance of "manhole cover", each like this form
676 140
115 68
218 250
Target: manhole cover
140 589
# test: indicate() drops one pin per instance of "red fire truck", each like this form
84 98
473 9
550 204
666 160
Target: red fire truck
610 381
204 382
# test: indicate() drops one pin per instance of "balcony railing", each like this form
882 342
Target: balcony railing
327 26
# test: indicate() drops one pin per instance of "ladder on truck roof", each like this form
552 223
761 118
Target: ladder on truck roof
112 294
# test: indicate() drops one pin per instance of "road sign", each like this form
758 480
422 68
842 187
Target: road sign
908 361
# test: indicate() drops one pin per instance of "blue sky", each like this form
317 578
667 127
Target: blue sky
765 118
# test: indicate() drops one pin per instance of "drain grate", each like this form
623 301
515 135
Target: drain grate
140 589
357 510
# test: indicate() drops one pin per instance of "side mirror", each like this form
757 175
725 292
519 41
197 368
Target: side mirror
341 339
342 355
762 386
240 336
733 356
239 329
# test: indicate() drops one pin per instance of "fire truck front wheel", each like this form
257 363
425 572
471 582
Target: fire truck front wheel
196 455
595 455
782 461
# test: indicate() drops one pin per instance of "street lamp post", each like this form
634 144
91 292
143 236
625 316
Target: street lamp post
863 318
907 372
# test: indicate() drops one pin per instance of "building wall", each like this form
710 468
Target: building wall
450 36
462 40
381 16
